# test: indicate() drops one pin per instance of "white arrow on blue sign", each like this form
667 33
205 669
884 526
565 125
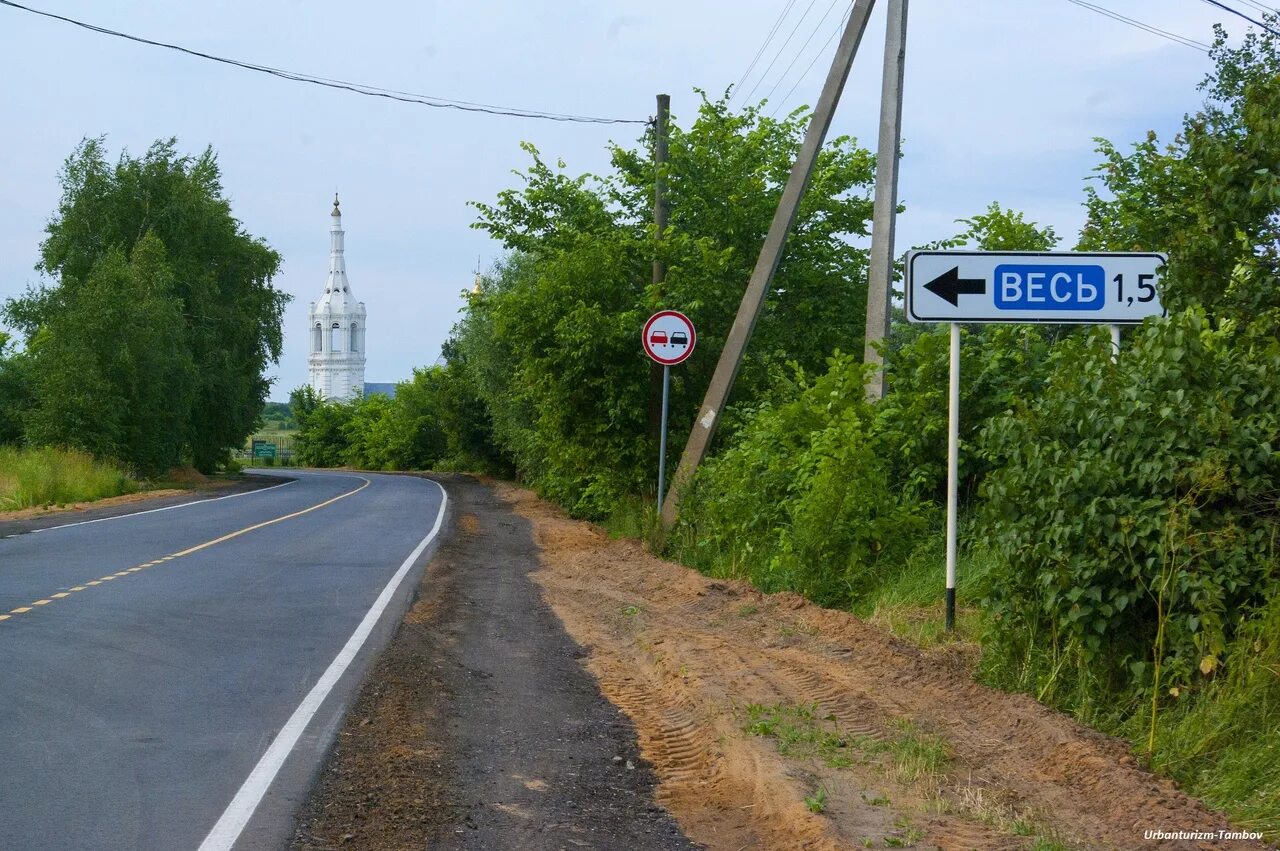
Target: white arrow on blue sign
1075 288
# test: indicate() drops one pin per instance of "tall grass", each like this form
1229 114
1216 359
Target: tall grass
32 477
1222 742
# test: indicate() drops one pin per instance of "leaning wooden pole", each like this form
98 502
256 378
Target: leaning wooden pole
735 346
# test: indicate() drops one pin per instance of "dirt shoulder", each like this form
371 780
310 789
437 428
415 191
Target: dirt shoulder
478 727
31 519
774 723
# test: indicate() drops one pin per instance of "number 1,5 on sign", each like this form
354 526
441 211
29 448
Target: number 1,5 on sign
1146 289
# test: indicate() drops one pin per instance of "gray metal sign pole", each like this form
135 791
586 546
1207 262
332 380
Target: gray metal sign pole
662 440
722 379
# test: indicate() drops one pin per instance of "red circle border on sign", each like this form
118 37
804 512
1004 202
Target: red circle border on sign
644 338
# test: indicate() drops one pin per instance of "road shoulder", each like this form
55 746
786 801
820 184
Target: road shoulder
478 727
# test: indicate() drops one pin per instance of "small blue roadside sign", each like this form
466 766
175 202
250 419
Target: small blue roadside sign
1050 287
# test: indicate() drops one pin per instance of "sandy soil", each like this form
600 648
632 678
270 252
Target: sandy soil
685 656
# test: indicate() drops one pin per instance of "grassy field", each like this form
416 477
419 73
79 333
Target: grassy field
49 476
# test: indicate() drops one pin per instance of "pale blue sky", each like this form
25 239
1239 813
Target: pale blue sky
1003 99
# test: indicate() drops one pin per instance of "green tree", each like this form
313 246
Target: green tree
228 313
1211 198
322 440
109 374
15 391
553 333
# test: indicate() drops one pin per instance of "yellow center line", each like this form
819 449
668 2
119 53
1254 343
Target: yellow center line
189 550
198 547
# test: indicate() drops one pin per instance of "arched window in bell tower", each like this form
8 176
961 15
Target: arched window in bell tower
317 338
335 337
355 337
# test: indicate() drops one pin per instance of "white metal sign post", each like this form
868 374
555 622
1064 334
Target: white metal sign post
1051 288
668 338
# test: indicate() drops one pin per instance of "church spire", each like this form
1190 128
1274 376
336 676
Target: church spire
336 325
336 288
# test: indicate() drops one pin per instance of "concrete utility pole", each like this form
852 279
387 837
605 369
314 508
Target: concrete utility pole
885 212
767 264
661 212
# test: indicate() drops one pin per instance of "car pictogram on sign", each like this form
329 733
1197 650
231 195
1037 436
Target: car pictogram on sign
668 337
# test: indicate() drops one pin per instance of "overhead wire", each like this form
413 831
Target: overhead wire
800 52
1266 10
327 82
778 54
1133 22
763 46
1240 14
821 52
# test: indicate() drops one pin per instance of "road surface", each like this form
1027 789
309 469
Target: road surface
172 678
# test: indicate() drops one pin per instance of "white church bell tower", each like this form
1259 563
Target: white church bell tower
337 328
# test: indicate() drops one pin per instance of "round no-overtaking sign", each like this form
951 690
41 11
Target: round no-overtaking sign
668 337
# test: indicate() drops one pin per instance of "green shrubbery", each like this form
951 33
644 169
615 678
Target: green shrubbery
1132 510
50 476
434 422
806 498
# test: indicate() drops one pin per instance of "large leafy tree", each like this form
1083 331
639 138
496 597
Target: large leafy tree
224 314
553 336
110 376
1211 197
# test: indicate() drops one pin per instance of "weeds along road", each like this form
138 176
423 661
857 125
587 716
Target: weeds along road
172 678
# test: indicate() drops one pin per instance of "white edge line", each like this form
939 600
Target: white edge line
154 510
242 807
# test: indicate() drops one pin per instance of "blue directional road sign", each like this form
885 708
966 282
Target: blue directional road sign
1048 287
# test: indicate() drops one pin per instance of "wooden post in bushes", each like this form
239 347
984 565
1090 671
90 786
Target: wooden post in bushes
735 346
661 213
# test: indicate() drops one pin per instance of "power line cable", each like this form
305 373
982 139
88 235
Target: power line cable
357 88
800 52
1183 40
821 52
776 56
1266 10
1240 14
776 24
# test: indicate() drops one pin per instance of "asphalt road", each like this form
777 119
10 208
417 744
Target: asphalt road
173 678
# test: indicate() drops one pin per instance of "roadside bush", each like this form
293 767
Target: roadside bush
1132 512
822 515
